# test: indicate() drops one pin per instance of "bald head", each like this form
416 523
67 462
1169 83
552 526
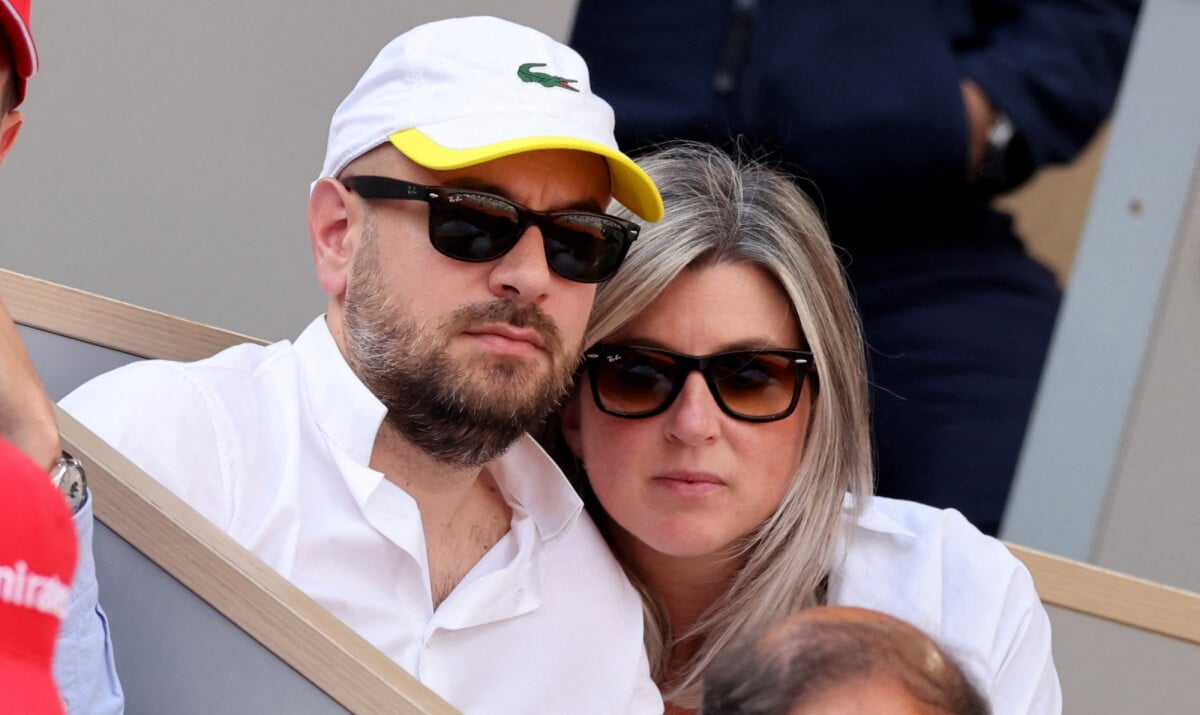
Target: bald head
839 659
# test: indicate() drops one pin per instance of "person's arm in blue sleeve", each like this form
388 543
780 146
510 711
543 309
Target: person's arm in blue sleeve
1053 67
83 657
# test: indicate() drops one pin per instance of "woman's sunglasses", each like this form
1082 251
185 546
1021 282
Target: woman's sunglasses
753 385
477 227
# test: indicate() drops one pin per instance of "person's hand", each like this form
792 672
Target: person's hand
26 413
980 117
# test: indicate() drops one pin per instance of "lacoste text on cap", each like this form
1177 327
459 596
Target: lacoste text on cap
460 92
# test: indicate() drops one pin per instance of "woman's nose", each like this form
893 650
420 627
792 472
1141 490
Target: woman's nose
694 418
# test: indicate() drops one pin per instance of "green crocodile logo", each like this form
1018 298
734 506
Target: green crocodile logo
527 74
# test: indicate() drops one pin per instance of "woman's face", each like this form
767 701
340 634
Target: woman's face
691 481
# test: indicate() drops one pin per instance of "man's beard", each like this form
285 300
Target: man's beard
461 414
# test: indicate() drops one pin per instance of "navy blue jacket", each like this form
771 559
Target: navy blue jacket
862 101
861 97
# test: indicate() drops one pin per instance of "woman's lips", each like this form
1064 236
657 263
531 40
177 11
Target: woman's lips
688 483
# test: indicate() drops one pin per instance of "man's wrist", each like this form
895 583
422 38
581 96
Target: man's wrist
999 158
981 115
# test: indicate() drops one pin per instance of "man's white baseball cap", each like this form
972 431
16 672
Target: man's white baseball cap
460 92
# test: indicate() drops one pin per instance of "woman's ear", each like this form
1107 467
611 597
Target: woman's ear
568 415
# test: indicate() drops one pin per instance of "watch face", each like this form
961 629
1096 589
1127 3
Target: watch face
69 478
73 488
1007 161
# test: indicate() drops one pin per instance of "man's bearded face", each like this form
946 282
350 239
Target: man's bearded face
461 411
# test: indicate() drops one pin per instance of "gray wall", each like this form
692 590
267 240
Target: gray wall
1110 669
177 654
169 146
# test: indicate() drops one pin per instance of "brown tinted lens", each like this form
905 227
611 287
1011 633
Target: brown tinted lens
754 384
633 381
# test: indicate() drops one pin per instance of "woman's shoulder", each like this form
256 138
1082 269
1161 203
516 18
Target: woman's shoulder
965 589
902 546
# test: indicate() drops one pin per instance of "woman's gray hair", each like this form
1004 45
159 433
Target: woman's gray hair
733 209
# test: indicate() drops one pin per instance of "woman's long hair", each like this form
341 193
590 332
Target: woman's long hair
733 209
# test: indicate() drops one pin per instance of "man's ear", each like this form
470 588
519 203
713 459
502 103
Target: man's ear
10 126
329 220
568 415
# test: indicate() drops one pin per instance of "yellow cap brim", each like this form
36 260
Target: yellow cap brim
630 185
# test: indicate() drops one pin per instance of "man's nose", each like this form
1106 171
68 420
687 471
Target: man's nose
523 272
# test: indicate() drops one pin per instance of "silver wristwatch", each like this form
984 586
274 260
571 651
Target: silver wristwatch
67 476
1007 161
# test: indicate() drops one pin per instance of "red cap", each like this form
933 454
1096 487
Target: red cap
37 560
14 19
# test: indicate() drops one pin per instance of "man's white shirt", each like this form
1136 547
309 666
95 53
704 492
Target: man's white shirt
272 444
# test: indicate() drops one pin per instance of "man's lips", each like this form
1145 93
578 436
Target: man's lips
507 338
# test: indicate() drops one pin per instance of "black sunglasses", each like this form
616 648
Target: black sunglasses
477 227
752 385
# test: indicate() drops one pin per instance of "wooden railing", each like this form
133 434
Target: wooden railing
1113 596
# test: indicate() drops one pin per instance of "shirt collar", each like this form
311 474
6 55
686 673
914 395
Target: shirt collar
872 518
529 478
345 410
